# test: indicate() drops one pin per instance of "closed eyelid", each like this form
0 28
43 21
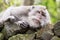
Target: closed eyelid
43 14
38 11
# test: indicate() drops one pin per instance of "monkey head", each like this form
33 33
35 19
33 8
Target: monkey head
38 17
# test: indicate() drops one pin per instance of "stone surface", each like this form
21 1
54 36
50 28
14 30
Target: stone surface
55 38
1 27
46 35
11 29
57 29
1 36
22 37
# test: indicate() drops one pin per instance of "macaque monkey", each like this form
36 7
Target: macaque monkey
35 16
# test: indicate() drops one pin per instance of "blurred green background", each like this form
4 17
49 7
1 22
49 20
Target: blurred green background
52 6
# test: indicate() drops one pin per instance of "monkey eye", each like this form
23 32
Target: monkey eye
43 14
38 11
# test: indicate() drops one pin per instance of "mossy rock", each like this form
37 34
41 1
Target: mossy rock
1 36
22 37
57 29
55 38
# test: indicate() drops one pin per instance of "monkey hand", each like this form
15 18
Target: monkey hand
22 24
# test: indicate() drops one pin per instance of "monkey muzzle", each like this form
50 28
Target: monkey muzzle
36 21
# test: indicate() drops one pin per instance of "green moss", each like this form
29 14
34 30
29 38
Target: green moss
1 36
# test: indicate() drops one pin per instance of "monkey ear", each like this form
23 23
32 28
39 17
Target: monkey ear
33 7
44 7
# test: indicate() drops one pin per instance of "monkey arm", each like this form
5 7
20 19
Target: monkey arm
9 19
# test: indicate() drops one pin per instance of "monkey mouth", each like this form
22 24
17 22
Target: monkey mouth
36 21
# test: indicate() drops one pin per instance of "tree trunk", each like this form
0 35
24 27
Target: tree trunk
28 2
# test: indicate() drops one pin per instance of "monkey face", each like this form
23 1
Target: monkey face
38 17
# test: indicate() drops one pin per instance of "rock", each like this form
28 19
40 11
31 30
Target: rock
1 27
22 37
57 29
47 35
1 36
55 38
11 29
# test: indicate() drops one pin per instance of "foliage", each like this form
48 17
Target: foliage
6 3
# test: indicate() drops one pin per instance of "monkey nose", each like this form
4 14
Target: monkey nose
39 17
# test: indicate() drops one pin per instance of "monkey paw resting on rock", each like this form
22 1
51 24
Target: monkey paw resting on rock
23 18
